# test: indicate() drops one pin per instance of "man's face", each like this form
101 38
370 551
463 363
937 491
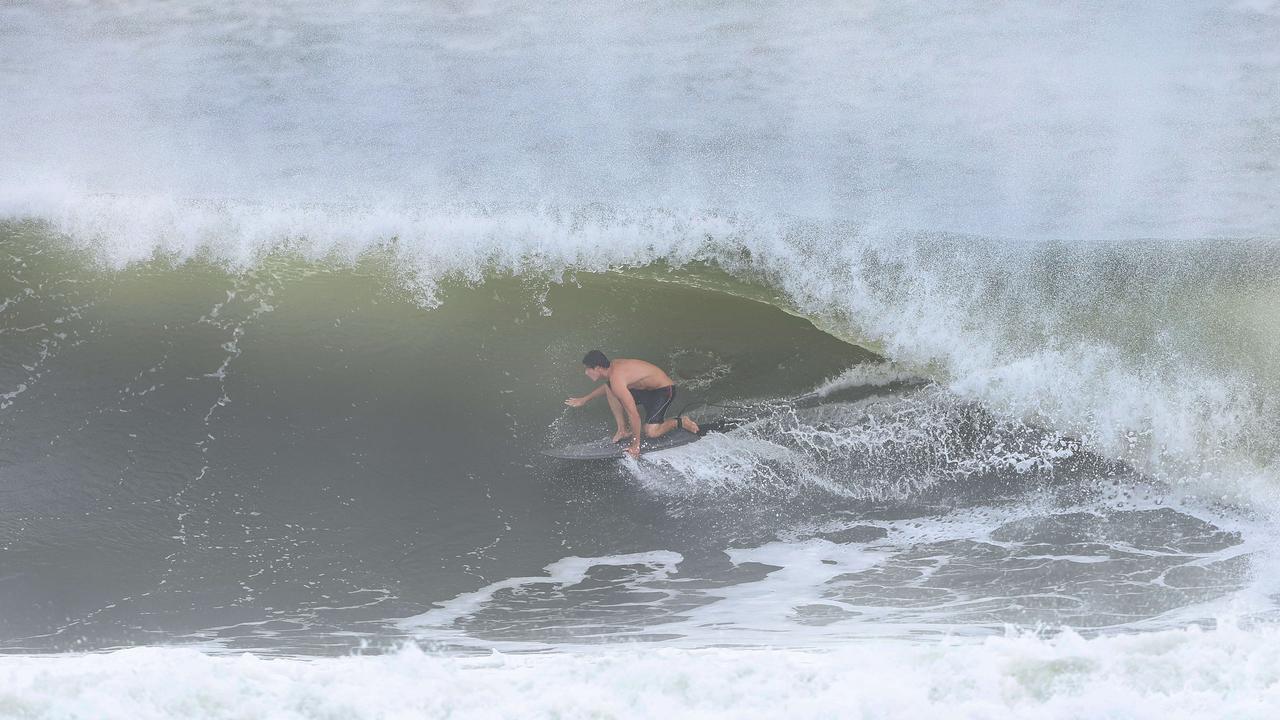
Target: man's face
595 373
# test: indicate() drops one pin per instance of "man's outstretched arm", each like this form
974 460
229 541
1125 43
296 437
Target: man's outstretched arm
580 401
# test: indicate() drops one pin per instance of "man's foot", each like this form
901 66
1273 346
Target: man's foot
689 425
621 435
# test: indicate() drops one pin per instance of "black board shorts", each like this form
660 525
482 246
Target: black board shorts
655 402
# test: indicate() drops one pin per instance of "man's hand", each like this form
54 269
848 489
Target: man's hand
634 449
576 402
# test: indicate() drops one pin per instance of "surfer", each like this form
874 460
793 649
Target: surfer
631 383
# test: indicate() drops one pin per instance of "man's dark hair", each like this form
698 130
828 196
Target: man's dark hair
595 359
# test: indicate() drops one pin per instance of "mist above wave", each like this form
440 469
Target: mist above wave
1106 121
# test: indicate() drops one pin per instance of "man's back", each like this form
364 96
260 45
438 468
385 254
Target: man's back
639 375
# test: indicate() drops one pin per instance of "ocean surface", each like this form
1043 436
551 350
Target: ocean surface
985 296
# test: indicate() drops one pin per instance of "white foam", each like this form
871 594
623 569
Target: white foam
804 590
1190 673
877 447
867 375
765 612
563 572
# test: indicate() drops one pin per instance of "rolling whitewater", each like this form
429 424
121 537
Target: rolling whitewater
981 303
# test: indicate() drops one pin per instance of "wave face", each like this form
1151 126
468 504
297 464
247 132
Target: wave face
290 298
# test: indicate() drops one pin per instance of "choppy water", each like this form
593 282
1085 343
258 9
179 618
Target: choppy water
290 298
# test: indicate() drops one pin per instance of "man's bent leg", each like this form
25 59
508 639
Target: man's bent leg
654 430
618 416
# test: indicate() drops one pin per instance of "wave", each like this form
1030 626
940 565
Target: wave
977 214
1160 353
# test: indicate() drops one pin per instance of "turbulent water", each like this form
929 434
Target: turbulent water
984 298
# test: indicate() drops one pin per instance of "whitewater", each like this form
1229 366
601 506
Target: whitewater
291 296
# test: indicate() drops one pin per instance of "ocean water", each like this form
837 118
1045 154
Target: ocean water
984 296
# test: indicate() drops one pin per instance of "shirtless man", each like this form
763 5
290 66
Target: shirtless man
631 383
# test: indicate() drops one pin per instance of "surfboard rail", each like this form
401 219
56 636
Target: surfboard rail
606 449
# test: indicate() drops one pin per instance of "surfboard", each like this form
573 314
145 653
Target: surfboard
603 449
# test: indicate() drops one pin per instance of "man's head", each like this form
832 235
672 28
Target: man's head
597 364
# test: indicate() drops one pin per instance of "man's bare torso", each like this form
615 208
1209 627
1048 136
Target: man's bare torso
639 375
